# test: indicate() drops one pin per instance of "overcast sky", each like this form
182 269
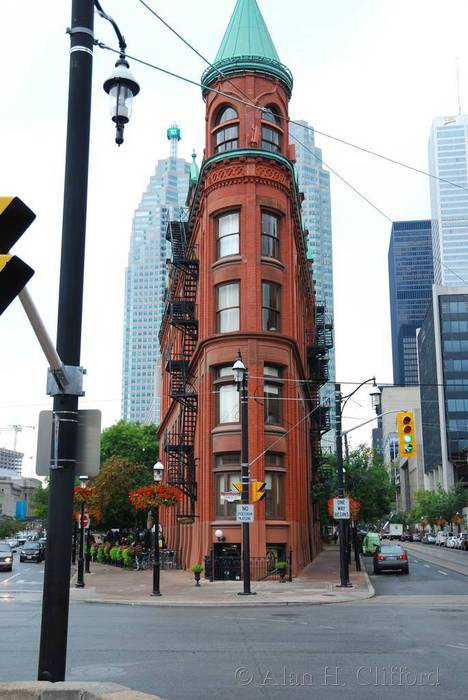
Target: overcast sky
374 72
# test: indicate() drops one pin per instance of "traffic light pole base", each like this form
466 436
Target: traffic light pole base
245 593
344 585
156 593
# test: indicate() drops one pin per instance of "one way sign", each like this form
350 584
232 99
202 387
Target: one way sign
341 508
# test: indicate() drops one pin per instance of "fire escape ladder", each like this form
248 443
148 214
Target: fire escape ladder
182 312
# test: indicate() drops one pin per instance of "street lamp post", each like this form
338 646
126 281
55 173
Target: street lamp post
240 375
56 592
340 403
80 577
158 471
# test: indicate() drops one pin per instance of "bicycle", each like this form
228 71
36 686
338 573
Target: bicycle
143 561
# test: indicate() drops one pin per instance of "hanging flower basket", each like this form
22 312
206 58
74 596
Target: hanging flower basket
147 497
87 495
458 519
441 521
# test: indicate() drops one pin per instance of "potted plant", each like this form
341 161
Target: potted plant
197 569
281 567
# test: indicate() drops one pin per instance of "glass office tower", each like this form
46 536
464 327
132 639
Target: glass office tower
145 283
314 182
411 275
443 362
448 158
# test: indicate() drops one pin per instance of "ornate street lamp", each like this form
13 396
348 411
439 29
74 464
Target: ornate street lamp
121 87
158 472
240 375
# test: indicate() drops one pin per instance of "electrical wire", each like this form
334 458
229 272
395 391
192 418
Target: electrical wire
292 121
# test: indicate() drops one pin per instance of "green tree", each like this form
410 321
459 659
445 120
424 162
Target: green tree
367 481
118 476
132 441
9 526
40 502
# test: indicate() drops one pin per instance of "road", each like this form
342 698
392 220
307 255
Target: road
410 642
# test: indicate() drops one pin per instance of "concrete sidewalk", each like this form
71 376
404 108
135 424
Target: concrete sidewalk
317 584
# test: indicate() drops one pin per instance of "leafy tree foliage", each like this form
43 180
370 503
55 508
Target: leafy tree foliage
9 526
40 502
132 441
367 480
431 505
117 477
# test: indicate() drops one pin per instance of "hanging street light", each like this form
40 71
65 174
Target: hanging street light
121 87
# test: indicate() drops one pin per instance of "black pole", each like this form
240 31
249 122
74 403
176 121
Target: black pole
80 577
342 524
75 529
156 559
88 548
245 479
55 602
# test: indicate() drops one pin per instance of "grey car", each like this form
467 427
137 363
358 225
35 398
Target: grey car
391 557
6 557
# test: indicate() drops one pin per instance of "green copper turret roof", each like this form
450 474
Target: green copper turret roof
247 47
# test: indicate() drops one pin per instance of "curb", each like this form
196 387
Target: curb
370 585
44 690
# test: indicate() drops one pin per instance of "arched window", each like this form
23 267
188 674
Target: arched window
271 136
271 114
226 138
225 114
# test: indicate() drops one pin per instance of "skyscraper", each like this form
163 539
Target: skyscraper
314 182
145 283
449 202
411 274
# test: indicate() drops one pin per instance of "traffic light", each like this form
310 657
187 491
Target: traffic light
15 217
406 434
257 491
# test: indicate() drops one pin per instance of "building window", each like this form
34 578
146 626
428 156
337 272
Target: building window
227 473
271 139
227 234
270 306
274 499
226 138
227 307
272 391
227 396
271 114
270 235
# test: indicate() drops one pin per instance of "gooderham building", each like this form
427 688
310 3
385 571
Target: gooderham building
240 282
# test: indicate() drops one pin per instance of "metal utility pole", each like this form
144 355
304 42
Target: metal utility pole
54 627
342 524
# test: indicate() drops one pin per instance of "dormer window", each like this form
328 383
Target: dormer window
226 131
271 135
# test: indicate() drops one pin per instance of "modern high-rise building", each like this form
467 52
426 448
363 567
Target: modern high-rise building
314 183
411 275
448 158
443 368
145 284
11 463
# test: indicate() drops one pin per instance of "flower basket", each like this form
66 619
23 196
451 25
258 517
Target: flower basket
197 570
159 494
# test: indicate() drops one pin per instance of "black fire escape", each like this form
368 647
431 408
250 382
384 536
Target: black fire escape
181 310
317 358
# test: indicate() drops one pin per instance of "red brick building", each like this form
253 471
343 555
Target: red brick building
240 281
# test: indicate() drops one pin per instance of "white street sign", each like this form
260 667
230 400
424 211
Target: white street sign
245 513
341 508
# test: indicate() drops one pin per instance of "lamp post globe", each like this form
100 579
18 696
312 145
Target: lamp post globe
238 369
219 534
158 471
376 396
121 87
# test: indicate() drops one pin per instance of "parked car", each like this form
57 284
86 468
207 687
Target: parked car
441 538
6 557
13 544
406 536
391 557
371 543
451 541
417 537
428 538
32 551
461 541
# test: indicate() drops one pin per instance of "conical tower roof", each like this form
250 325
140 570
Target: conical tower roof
247 47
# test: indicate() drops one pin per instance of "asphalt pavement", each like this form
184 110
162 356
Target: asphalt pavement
410 642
